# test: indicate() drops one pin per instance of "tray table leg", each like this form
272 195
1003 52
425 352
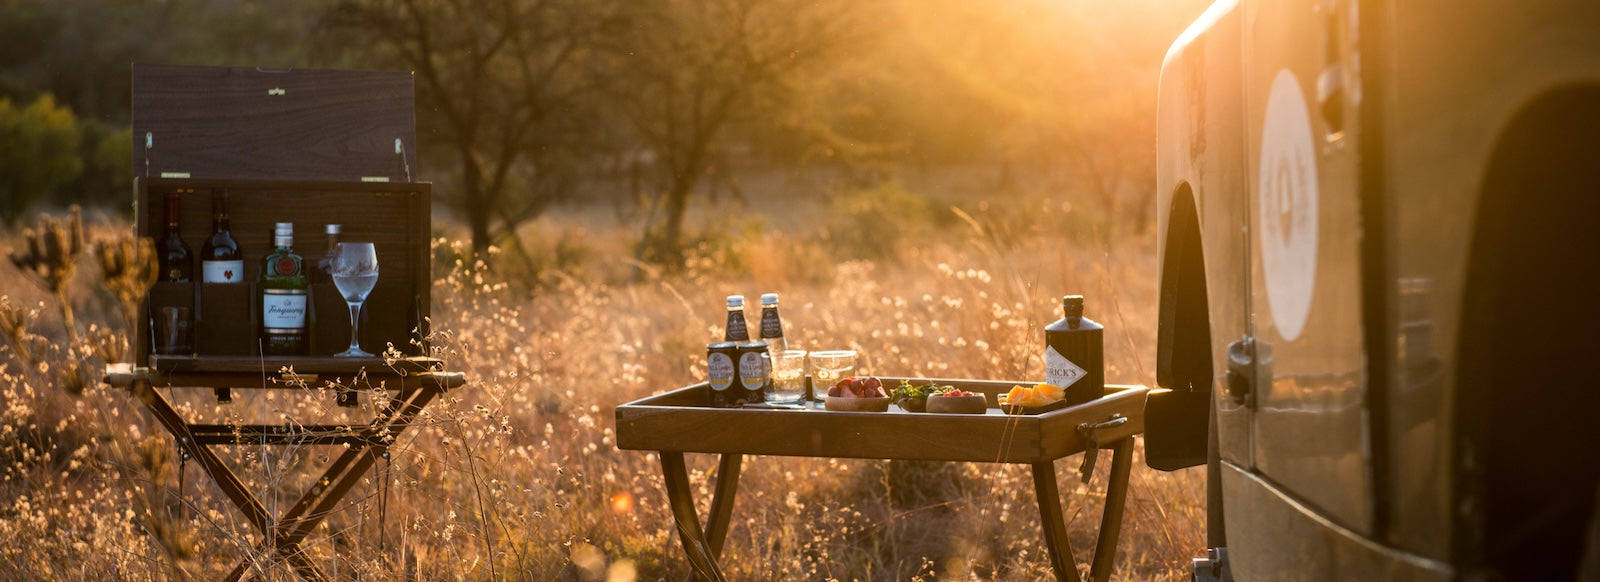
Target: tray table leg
1055 529
1105 549
701 556
722 501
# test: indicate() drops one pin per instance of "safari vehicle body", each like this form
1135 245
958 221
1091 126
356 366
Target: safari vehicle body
1378 226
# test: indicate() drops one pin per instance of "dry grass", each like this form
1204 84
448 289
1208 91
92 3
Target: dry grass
518 477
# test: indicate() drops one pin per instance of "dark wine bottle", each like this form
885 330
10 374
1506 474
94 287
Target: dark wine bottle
174 260
220 260
1073 357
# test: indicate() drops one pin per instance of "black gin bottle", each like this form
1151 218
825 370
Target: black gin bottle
1073 356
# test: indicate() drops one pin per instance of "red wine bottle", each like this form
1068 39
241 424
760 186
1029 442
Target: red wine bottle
173 259
220 260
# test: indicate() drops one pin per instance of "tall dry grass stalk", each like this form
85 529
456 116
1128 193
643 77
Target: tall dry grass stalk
517 476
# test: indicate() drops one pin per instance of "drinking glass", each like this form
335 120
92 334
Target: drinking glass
828 367
174 331
355 273
788 377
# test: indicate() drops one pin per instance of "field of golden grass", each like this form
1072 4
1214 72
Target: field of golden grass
517 476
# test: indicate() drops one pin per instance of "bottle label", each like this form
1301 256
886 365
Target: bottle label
737 330
1060 371
221 271
283 309
771 326
719 369
752 370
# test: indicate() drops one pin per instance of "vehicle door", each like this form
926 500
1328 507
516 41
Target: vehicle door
1307 430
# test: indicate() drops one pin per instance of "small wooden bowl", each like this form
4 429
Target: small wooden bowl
848 404
974 404
918 404
1010 409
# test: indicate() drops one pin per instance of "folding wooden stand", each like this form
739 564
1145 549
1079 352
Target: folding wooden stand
415 383
682 421
314 148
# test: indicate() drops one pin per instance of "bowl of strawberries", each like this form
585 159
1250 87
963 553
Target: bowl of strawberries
857 394
957 401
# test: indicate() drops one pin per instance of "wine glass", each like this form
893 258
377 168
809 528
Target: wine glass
355 273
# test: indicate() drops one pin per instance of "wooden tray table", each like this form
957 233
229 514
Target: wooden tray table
682 421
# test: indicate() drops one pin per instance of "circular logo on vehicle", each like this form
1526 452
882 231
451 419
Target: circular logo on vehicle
1286 219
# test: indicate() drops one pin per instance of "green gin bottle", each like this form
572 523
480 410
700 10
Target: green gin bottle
282 285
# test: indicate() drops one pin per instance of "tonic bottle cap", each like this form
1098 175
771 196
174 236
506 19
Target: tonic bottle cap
769 299
1072 305
332 229
735 301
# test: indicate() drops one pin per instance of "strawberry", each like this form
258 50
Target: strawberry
856 387
870 387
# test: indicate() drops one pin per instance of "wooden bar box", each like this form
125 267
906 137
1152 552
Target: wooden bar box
307 147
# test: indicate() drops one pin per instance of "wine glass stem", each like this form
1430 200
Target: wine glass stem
355 325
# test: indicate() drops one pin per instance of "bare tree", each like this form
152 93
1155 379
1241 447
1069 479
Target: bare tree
503 85
690 69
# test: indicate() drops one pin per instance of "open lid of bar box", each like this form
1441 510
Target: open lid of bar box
310 147
249 122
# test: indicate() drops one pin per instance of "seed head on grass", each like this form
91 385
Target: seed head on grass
129 266
51 255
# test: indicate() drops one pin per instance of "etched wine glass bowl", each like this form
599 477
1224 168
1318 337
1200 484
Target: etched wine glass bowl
355 273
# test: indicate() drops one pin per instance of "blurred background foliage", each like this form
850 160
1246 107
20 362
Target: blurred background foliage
650 106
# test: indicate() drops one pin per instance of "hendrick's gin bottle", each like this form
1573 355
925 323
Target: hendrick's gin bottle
1073 357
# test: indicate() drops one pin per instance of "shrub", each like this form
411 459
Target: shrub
38 153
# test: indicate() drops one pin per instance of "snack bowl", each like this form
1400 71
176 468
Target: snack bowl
966 404
1019 409
849 404
918 404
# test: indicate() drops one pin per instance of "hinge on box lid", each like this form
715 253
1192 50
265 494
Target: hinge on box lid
150 144
405 166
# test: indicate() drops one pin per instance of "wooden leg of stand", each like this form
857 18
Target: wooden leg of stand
226 480
349 468
302 565
345 471
1055 528
1105 549
722 501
